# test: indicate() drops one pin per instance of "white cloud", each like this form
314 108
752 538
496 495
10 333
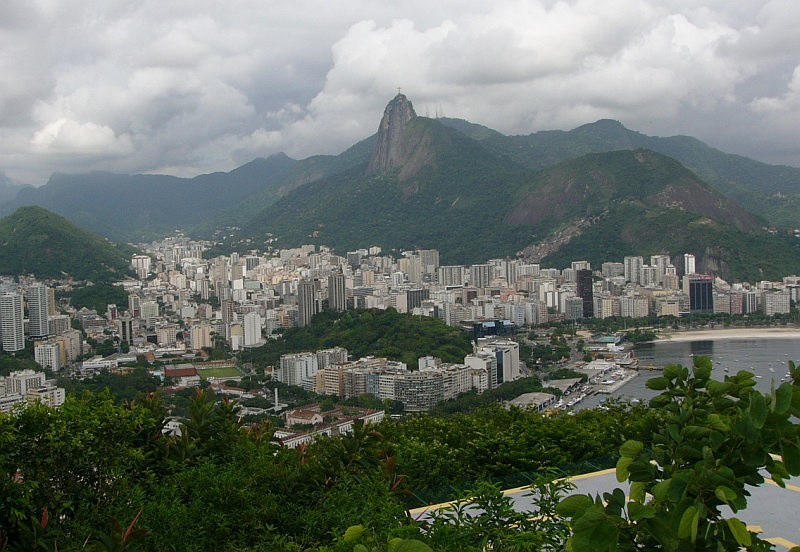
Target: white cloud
187 87
66 136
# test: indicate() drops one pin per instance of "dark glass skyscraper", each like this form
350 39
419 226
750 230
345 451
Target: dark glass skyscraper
585 292
700 289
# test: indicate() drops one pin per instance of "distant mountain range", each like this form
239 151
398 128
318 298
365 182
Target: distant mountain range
598 192
36 241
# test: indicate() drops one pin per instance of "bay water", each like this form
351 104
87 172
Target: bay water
768 359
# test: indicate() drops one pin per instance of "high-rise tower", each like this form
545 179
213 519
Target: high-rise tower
38 307
306 302
586 292
11 322
337 298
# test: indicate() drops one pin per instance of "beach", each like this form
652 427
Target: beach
730 333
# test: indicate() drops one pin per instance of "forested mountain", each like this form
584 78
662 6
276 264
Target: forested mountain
8 189
34 240
134 207
428 186
472 193
431 185
771 191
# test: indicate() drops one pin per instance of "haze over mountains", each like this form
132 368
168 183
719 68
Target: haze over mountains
598 192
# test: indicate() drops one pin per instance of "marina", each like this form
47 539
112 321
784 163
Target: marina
766 358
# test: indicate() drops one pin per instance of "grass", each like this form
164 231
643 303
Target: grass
206 373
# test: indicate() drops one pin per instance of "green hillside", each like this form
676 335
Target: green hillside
770 191
451 193
34 240
450 203
719 248
388 333
145 206
638 202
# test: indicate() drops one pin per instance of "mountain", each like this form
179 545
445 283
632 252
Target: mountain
34 240
424 185
469 191
134 207
8 189
637 202
771 191
429 184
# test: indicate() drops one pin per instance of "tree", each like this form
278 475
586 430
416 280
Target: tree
714 440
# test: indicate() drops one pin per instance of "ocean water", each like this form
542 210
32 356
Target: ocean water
768 359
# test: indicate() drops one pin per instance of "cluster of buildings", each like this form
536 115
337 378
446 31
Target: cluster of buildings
188 301
328 372
56 343
183 304
28 386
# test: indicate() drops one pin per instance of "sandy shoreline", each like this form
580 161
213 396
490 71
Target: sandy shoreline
731 333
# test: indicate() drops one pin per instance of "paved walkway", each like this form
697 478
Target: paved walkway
772 511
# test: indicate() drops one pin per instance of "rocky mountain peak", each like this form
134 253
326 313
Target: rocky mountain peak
389 151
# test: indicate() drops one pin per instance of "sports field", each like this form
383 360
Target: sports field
215 372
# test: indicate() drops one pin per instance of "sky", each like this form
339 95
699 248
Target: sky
188 87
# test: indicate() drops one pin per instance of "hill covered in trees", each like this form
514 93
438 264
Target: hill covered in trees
36 241
383 333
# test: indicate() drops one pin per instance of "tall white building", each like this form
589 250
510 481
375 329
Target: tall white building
11 322
688 264
252 329
337 297
48 355
633 268
298 369
38 307
480 275
451 275
141 265
20 382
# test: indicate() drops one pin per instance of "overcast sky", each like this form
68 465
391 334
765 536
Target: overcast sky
185 87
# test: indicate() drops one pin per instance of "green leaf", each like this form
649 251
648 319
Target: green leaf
718 388
353 533
740 532
758 409
660 489
687 528
715 421
638 511
725 494
594 532
574 506
631 448
360 548
622 468
672 371
638 491
702 367
408 545
791 457
783 399
657 384
678 484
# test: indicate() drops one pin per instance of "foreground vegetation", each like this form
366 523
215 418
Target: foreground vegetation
96 474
